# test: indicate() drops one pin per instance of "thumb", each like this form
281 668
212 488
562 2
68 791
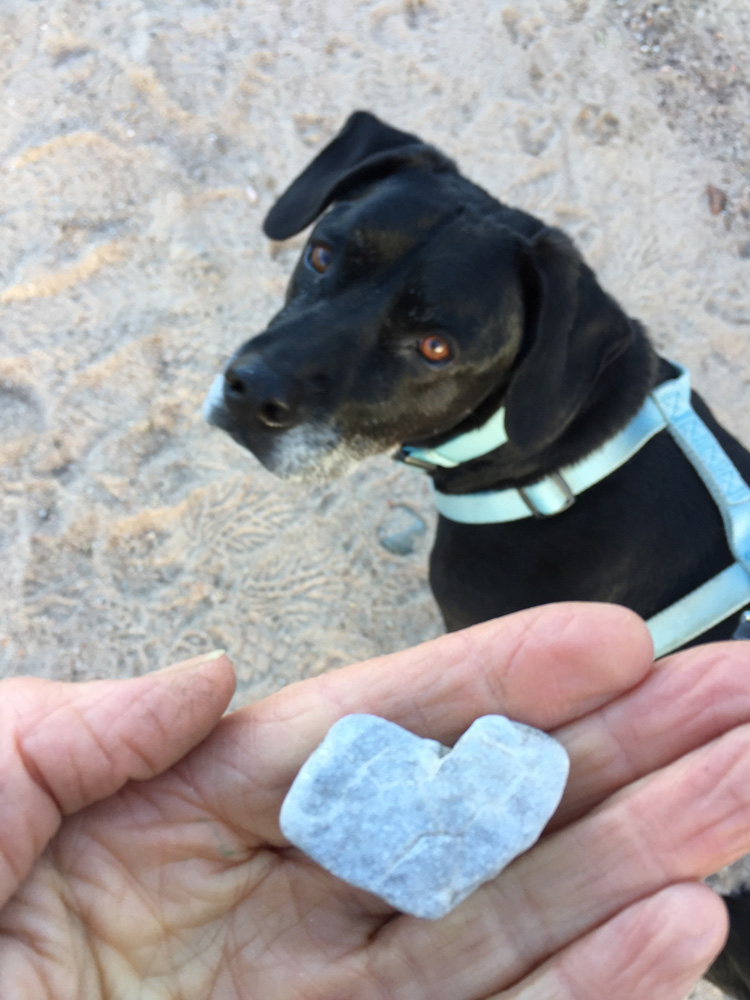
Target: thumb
64 746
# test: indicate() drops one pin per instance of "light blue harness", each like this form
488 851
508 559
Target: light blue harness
668 407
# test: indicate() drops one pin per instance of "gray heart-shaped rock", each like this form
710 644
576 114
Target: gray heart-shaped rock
416 823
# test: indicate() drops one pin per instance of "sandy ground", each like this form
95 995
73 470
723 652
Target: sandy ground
142 142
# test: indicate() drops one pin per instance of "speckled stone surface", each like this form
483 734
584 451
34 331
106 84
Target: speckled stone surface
417 823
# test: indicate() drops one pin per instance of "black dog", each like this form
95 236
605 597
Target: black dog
421 310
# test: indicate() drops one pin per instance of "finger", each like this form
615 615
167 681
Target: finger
691 699
656 948
64 746
679 824
545 666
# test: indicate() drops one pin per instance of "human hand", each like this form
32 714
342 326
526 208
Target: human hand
181 885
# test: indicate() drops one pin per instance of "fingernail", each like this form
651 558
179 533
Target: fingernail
194 661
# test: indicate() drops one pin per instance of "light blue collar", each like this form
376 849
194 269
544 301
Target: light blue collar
462 448
556 492
667 408
544 498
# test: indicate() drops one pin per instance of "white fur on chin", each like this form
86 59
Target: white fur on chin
317 454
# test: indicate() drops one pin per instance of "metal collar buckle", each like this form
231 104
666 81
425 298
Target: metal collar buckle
743 626
405 456
568 494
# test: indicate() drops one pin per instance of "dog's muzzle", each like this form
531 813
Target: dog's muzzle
213 404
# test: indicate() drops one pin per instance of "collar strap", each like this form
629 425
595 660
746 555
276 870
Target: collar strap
556 492
462 448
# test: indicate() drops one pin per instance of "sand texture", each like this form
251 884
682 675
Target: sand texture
141 144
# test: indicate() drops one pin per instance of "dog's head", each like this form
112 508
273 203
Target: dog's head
418 305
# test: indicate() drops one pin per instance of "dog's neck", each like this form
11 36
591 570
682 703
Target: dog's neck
618 396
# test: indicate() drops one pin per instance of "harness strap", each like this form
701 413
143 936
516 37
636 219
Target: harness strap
697 612
729 490
729 591
668 407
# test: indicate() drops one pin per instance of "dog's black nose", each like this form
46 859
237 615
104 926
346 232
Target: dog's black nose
255 390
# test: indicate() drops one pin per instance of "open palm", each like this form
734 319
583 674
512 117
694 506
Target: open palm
177 883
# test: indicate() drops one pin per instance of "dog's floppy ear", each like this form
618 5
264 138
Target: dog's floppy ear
573 331
364 149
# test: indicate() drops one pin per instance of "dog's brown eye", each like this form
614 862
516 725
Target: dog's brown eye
320 257
434 348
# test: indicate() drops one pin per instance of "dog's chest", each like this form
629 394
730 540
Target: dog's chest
642 538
